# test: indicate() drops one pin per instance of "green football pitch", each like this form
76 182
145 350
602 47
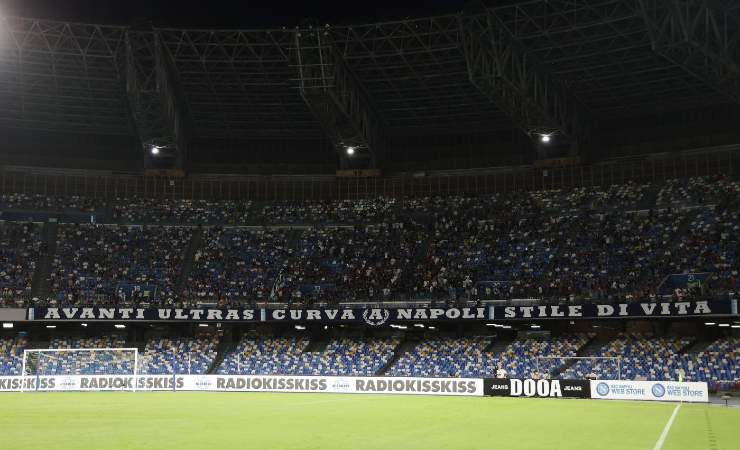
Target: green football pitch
323 421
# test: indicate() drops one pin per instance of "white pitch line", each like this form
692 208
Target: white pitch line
664 434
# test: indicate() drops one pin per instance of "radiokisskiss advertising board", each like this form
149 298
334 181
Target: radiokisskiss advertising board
246 383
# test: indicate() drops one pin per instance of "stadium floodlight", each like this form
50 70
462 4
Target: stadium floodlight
535 327
7 325
203 325
419 325
83 325
545 138
51 327
399 327
491 325
724 324
709 324
300 327
432 328
155 150
120 326
350 150
735 326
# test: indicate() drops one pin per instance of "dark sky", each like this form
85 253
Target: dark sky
224 14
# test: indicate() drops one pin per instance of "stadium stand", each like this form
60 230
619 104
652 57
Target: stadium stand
519 360
656 358
103 264
457 357
11 355
84 363
71 203
177 212
467 357
236 264
20 246
621 242
642 357
341 356
178 355
257 355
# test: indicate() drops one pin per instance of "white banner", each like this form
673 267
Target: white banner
248 383
343 385
11 384
664 391
91 383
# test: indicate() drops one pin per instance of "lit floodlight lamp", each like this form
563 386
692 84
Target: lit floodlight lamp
545 138
350 151
155 150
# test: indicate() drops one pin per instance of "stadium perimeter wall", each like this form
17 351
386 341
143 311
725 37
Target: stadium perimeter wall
670 391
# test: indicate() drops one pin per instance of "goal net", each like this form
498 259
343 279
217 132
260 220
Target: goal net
581 367
82 368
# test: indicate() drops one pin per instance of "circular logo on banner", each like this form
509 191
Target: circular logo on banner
658 390
68 383
602 389
203 383
375 317
342 385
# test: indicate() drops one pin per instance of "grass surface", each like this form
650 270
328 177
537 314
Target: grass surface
197 420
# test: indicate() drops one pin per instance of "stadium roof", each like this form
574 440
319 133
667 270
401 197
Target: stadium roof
549 66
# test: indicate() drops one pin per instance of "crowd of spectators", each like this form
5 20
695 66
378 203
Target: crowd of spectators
237 264
102 264
697 191
20 247
352 263
177 212
628 196
615 243
334 212
70 203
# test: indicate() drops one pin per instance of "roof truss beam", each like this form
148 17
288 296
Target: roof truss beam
503 69
336 97
700 36
158 106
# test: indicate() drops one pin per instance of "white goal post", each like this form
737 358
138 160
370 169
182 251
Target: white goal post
80 361
597 359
